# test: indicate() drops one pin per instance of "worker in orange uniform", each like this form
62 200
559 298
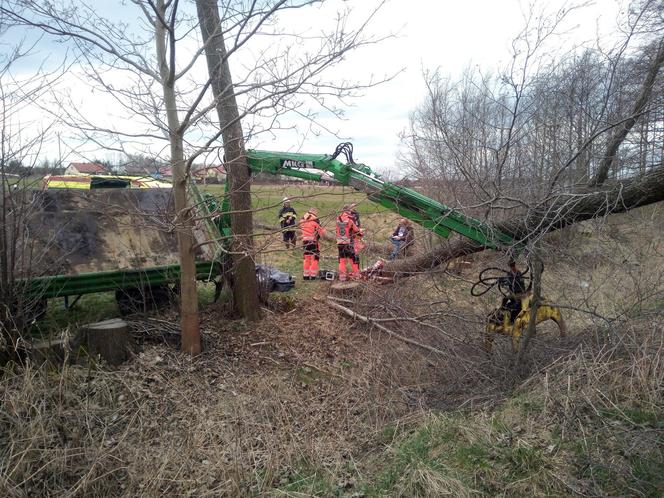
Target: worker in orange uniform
312 231
358 243
347 231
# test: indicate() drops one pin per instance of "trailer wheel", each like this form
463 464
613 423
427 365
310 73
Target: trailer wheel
158 296
142 299
130 300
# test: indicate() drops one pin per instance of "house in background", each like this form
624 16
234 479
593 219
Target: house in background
86 169
219 172
208 174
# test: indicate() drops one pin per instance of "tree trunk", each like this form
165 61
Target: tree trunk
245 288
109 340
537 267
564 210
191 337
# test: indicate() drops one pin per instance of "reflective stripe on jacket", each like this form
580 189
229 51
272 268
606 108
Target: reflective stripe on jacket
346 229
311 228
287 217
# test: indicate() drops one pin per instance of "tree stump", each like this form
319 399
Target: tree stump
108 339
345 289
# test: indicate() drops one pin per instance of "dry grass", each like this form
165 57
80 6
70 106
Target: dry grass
308 403
243 419
589 424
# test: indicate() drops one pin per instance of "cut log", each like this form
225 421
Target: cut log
109 340
369 321
345 288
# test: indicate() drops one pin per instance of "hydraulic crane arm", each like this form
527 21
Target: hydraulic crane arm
409 203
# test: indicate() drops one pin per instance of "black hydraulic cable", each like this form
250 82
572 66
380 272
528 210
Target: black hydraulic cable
491 281
345 148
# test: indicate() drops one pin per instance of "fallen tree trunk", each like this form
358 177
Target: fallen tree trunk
562 210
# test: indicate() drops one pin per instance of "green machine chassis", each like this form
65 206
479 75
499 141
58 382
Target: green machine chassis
408 203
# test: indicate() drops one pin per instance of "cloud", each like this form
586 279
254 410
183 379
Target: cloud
448 35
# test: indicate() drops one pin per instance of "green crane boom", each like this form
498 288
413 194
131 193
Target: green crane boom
409 203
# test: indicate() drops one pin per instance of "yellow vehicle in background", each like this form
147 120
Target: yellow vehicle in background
88 182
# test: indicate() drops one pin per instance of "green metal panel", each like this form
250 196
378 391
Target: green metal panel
295 164
87 283
217 218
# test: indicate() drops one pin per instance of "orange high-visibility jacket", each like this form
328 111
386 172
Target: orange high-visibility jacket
311 228
346 229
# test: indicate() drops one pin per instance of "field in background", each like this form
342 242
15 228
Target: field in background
377 221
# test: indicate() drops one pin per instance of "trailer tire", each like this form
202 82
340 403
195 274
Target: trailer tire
142 299
129 300
158 296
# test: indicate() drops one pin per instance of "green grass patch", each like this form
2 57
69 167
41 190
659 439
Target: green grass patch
472 457
524 461
267 200
307 480
94 308
307 375
456 454
648 473
89 308
634 416
420 453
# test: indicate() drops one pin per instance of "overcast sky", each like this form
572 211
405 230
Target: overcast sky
448 35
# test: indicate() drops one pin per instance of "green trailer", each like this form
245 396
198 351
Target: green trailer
123 240
112 239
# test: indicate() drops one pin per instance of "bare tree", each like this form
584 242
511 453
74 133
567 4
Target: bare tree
19 156
548 142
164 26
544 132
180 112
